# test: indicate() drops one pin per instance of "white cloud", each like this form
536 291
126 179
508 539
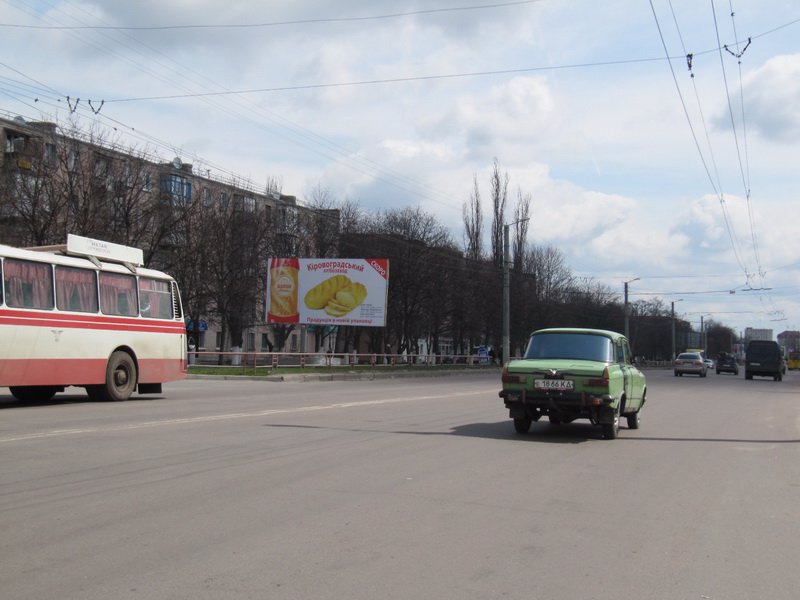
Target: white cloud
772 99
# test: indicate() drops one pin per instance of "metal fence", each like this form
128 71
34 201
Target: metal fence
301 360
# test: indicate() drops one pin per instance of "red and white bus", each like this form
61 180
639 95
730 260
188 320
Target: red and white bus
87 314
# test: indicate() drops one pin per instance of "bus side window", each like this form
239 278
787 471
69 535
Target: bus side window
76 289
155 297
28 284
118 295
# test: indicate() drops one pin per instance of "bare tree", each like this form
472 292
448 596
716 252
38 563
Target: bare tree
552 275
240 238
273 187
521 219
187 253
32 213
499 191
546 285
520 301
413 241
32 210
321 226
473 224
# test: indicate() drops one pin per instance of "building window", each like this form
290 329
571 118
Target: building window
222 201
148 183
244 203
101 167
206 195
72 161
129 174
50 154
14 143
177 187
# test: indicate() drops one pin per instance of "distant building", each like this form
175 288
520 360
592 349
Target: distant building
790 340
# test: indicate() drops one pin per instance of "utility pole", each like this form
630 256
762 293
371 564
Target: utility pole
627 309
702 337
673 327
506 298
507 292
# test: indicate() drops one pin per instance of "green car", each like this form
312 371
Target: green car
569 374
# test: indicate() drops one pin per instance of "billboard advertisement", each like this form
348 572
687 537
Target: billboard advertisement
328 291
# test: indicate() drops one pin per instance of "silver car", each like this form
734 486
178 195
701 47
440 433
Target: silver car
690 362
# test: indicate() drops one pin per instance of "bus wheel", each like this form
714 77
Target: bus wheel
33 393
120 379
120 376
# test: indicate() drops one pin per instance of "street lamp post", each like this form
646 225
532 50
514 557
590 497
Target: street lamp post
507 292
673 327
703 342
627 309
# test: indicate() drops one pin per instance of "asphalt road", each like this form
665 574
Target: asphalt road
406 488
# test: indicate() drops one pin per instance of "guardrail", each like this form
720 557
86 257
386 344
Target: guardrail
302 360
253 361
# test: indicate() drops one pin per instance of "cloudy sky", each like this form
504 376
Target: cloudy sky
638 166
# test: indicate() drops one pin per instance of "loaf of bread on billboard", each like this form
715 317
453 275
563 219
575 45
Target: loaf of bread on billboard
338 295
318 296
346 299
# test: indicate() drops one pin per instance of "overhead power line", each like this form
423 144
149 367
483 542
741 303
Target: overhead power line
312 86
413 13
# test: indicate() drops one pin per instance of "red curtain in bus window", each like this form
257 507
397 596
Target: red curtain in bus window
155 298
76 289
28 284
118 295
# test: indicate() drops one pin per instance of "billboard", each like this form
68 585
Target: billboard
328 291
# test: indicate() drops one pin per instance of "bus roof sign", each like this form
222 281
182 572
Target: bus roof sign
83 246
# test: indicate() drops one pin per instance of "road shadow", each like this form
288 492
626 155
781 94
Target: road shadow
716 440
541 433
501 430
9 402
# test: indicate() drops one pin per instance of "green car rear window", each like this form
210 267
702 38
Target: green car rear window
570 345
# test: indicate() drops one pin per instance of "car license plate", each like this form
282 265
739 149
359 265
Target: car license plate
554 384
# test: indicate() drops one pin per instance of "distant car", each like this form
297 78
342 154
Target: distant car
709 364
726 363
571 373
691 363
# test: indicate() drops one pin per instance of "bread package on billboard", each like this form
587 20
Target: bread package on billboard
283 285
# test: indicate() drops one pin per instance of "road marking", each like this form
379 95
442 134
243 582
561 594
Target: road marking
229 416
